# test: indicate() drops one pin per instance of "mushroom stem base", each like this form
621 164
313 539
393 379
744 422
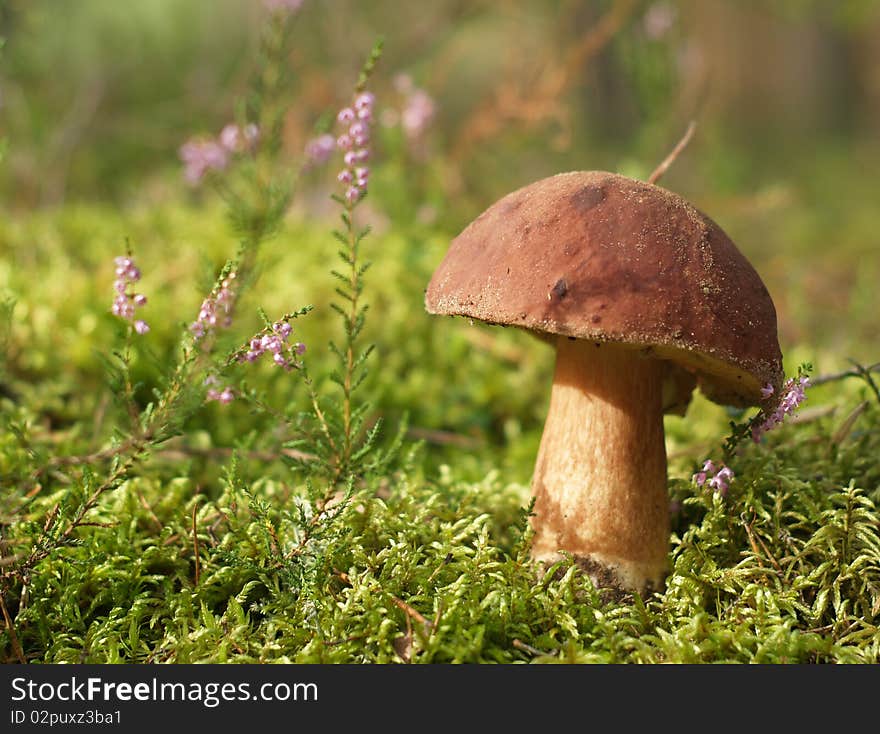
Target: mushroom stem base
600 476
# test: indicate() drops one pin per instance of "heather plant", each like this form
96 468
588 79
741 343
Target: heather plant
243 164
773 412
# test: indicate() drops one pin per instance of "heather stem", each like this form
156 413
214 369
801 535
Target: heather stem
319 414
130 404
351 325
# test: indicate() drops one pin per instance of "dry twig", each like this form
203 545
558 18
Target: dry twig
676 151
13 638
195 536
855 372
532 100
520 645
846 427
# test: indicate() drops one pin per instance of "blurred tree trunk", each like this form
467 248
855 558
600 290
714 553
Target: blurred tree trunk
771 72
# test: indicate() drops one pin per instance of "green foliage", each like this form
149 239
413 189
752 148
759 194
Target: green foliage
435 569
294 568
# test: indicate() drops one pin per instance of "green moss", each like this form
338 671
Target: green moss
198 558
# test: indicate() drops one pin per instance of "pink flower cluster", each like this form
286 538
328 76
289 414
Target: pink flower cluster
355 142
717 478
223 395
275 341
318 150
200 156
793 394
418 108
127 302
417 114
216 309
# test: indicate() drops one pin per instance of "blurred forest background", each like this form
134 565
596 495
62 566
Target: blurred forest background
480 97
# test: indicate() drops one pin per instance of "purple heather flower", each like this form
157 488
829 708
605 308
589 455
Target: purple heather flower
767 391
122 307
721 481
793 394
126 269
717 478
318 150
353 193
359 129
230 137
364 101
355 142
235 139
214 307
365 114
126 302
350 158
214 155
274 342
201 156
225 395
417 114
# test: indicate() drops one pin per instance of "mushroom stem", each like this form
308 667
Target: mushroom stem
600 476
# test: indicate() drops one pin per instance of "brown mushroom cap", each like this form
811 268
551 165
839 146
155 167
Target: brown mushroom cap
602 257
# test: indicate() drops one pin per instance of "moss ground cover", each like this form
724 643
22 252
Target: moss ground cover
219 547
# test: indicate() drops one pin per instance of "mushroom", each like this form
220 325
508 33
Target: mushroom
643 298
